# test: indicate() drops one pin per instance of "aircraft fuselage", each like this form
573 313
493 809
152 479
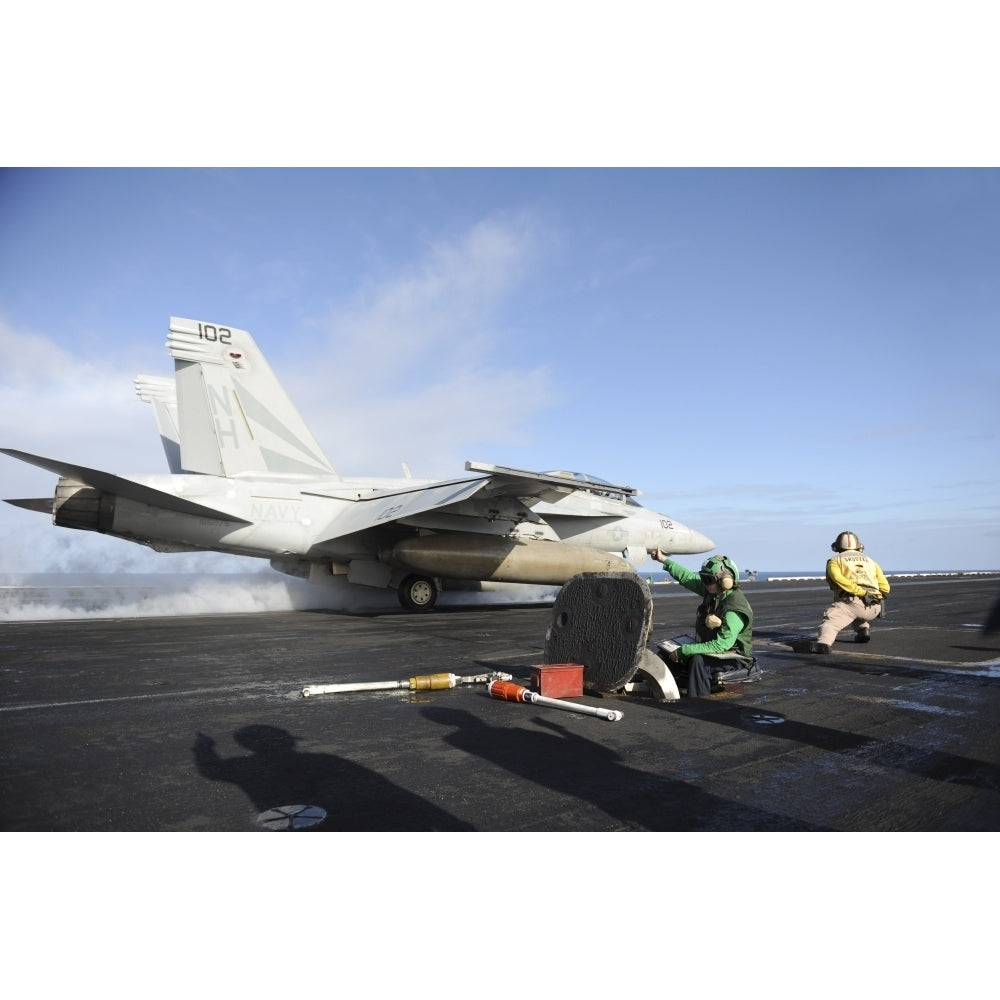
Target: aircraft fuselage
540 542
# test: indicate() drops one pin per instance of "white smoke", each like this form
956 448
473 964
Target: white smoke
48 574
52 598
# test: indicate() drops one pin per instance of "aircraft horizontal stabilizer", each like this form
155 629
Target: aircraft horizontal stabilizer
126 488
42 504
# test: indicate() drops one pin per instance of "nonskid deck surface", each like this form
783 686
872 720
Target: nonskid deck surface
198 723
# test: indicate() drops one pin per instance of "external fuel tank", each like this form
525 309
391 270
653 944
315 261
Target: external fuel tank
502 560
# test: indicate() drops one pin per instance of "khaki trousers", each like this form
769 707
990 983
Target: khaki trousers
840 614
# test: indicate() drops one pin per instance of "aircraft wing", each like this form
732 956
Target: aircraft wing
386 506
123 487
546 486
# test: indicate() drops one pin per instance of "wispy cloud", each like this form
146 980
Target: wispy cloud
57 403
417 368
443 306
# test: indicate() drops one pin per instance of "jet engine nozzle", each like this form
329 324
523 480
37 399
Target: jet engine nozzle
77 505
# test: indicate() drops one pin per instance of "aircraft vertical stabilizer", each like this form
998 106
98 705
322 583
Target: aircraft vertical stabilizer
234 417
161 393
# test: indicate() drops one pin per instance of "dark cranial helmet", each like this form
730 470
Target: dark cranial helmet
721 570
847 540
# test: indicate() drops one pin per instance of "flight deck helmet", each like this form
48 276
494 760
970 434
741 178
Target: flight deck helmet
721 570
847 540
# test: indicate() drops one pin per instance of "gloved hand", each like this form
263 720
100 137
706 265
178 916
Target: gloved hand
658 554
713 621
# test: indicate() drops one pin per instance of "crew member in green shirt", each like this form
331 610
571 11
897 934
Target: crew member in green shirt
724 623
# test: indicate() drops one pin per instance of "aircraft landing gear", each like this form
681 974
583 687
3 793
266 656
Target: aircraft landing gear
418 593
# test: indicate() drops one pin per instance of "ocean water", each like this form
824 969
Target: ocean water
819 573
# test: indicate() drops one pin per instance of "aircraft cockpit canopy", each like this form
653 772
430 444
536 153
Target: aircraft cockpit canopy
596 485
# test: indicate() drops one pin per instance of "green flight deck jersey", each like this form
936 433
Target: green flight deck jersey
734 635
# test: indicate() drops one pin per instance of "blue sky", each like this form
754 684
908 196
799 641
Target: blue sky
769 355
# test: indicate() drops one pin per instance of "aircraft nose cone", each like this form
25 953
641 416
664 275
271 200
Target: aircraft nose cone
698 542
683 540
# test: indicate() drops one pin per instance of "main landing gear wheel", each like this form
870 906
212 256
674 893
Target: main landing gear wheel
418 593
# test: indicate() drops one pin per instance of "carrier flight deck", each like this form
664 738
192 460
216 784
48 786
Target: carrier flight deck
199 724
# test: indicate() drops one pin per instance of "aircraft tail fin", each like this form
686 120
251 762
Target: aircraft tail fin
162 394
234 417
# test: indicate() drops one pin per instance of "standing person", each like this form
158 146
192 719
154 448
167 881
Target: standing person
859 587
723 625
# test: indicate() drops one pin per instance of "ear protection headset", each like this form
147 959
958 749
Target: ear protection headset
721 570
847 540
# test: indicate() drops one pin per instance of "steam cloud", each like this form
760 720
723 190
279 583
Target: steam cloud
46 574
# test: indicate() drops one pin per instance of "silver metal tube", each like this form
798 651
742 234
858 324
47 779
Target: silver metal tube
611 714
312 689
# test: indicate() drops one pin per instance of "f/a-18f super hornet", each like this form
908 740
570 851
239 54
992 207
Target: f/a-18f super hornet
248 477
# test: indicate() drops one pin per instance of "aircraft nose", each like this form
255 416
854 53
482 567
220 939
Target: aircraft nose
697 542
687 541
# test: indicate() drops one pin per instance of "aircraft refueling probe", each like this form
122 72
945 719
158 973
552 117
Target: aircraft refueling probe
507 691
422 682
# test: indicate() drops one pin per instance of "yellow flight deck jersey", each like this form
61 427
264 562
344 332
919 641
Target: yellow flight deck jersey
856 574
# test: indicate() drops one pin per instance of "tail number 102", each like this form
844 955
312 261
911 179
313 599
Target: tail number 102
215 334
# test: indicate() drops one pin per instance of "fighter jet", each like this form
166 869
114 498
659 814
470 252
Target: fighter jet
248 477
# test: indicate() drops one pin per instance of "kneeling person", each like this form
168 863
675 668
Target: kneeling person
860 589
723 626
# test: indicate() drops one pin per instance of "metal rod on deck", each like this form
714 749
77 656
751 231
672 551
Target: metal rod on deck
516 692
422 682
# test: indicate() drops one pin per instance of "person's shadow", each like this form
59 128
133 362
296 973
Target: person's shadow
274 774
556 757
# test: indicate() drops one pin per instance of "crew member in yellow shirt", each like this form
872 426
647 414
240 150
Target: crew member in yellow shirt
859 588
